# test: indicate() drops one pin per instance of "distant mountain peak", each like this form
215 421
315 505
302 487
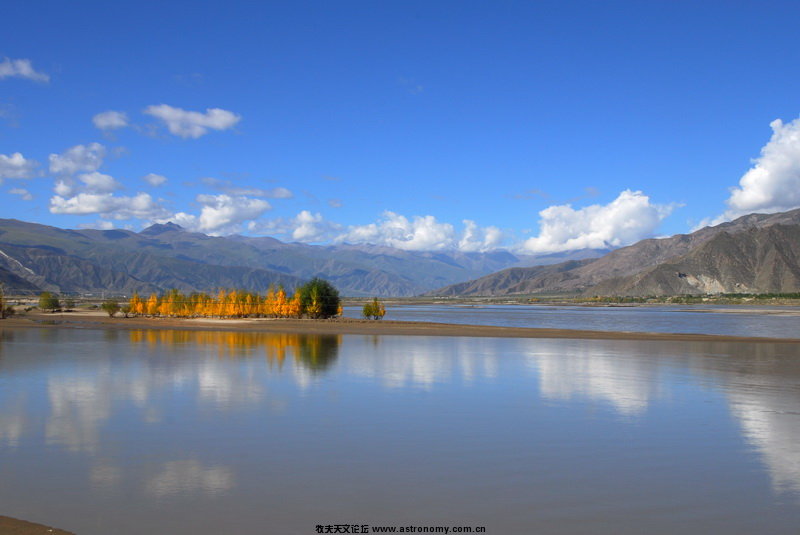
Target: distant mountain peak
159 228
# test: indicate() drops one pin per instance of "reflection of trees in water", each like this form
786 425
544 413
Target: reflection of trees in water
6 336
312 351
318 352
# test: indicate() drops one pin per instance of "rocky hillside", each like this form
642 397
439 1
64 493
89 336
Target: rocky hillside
755 253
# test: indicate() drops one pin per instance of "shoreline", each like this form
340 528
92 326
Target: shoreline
94 320
22 527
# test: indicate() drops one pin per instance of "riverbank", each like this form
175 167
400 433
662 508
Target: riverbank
13 526
99 320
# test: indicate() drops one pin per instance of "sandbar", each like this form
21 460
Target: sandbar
95 320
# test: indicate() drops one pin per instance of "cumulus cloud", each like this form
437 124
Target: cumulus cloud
773 183
308 227
63 188
99 183
16 166
627 219
422 233
193 124
79 158
140 206
21 68
110 120
395 230
305 227
221 214
24 194
154 179
476 239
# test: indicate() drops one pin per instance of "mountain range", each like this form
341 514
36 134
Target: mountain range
36 257
757 253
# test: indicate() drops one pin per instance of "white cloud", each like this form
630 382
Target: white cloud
154 179
16 166
221 213
422 233
308 227
110 120
140 206
79 158
625 220
304 227
193 124
476 239
63 188
773 183
100 224
21 68
394 230
99 183
24 194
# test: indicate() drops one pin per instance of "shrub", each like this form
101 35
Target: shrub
49 301
111 307
373 309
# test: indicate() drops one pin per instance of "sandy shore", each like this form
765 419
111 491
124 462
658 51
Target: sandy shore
12 526
96 320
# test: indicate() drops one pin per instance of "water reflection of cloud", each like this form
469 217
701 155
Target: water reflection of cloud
189 477
771 422
77 408
12 421
592 370
425 361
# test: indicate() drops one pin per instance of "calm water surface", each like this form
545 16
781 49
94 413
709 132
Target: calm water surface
783 322
131 432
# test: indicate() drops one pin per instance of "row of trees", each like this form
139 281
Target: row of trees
315 299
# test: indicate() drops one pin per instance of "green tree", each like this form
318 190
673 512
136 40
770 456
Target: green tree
49 301
373 309
319 298
3 310
111 307
69 304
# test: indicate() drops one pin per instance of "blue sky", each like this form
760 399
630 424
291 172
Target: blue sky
536 126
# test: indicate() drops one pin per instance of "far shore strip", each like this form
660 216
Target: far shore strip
89 320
